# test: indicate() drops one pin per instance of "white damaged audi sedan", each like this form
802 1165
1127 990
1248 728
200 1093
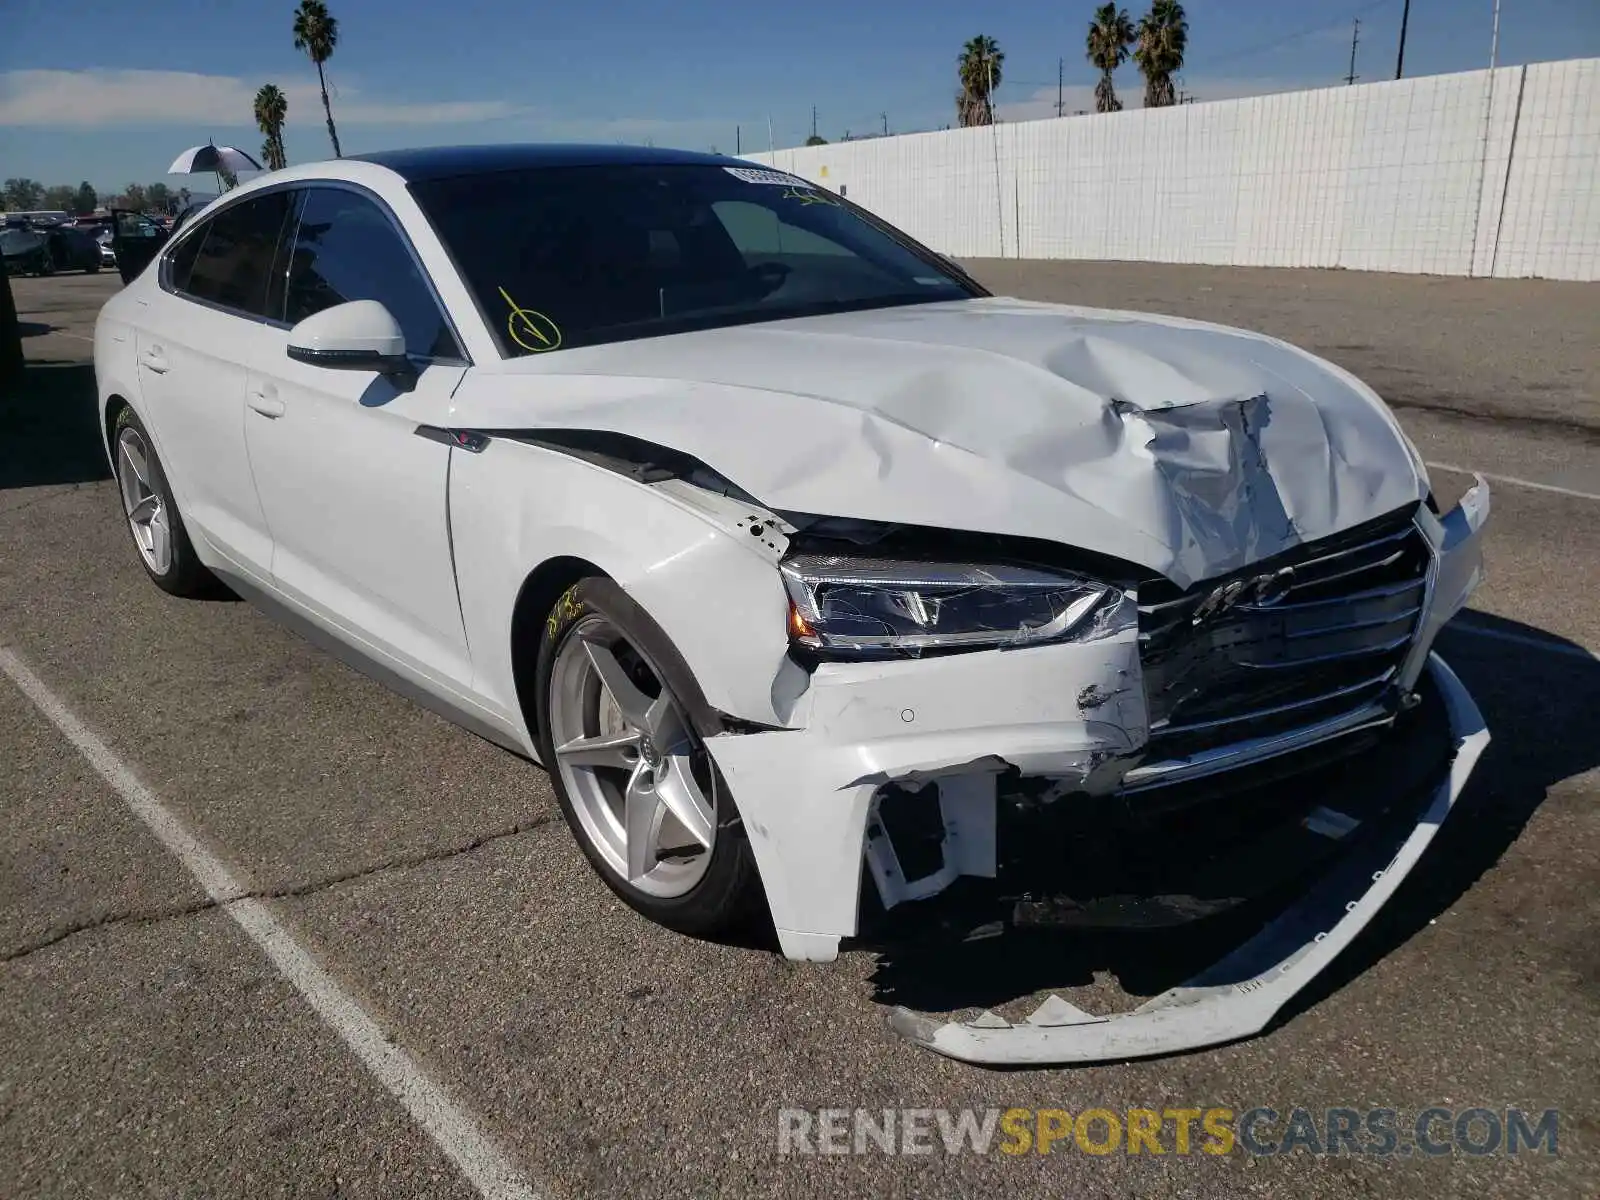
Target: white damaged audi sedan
821 581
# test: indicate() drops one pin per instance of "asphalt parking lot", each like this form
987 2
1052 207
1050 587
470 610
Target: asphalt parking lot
150 1047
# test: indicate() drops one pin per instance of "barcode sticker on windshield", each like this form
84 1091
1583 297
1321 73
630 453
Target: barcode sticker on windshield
756 175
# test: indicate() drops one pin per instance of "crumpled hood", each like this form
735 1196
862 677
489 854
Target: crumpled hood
1188 448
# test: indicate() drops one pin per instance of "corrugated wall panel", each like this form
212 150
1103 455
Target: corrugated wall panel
1475 173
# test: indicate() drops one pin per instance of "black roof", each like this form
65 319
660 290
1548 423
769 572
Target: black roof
445 162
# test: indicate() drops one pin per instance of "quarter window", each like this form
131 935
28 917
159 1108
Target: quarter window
231 257
347 249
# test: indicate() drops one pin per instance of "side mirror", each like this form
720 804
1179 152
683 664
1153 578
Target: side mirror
359 335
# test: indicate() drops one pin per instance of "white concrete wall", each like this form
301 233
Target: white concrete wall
1477 173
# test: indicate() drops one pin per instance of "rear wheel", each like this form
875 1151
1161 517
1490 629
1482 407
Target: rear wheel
635 782
163 544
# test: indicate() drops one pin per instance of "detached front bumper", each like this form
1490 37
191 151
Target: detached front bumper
1073 714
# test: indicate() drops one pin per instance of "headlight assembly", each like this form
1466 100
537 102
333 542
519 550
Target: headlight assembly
870 607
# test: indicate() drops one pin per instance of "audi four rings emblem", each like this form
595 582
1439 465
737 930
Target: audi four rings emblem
1260 591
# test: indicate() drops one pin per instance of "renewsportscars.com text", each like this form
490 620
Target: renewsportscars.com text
1262 1131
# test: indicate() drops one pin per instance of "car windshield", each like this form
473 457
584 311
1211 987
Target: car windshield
570 256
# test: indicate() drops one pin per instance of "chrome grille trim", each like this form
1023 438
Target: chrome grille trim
1255 750
1352 689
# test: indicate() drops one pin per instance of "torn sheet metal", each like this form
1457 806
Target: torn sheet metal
1239 995
1187 448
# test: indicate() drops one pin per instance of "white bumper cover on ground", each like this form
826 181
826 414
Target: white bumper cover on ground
1237 996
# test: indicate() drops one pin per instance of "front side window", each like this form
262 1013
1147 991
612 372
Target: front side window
573 256
347 249
232 254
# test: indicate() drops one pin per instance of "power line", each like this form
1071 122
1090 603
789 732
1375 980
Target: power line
1262 47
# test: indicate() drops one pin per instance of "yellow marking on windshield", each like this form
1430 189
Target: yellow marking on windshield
811 196
524 324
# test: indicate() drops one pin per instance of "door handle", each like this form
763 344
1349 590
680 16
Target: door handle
154 360
266 402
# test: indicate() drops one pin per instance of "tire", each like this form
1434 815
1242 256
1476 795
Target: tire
47 264
165 550
686 887
92 268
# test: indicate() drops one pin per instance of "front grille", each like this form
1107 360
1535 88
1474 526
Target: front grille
1302 638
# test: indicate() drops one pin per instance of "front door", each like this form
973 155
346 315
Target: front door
355 499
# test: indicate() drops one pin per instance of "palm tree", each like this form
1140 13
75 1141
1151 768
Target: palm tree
1110 35
271 109
1163 37
317 33
979 68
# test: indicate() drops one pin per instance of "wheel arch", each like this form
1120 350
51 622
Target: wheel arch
537 598
538 594
110 411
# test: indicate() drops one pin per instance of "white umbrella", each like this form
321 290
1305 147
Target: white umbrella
200 160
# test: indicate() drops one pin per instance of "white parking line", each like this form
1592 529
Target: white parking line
1514 481
450 1126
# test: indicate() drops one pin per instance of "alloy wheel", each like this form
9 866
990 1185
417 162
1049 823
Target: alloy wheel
142 501
639 781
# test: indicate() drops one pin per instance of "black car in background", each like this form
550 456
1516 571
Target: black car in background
35 250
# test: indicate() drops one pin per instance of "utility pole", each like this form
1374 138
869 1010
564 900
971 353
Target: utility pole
1494 41
1061 78
1400 59
1355 40
885 117
813 120
738 141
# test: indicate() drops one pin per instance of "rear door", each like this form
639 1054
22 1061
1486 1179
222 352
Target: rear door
135 240
200 328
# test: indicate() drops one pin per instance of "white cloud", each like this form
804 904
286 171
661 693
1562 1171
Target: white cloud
101 98
1130 90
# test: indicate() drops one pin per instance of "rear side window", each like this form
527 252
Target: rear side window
233 254
346 248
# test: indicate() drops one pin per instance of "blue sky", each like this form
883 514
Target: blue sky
111 92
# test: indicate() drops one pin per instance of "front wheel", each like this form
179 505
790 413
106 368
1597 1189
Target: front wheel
634 780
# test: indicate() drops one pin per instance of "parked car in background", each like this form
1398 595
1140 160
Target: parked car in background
31 250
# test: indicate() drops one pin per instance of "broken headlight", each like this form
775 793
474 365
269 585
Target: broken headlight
859 607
